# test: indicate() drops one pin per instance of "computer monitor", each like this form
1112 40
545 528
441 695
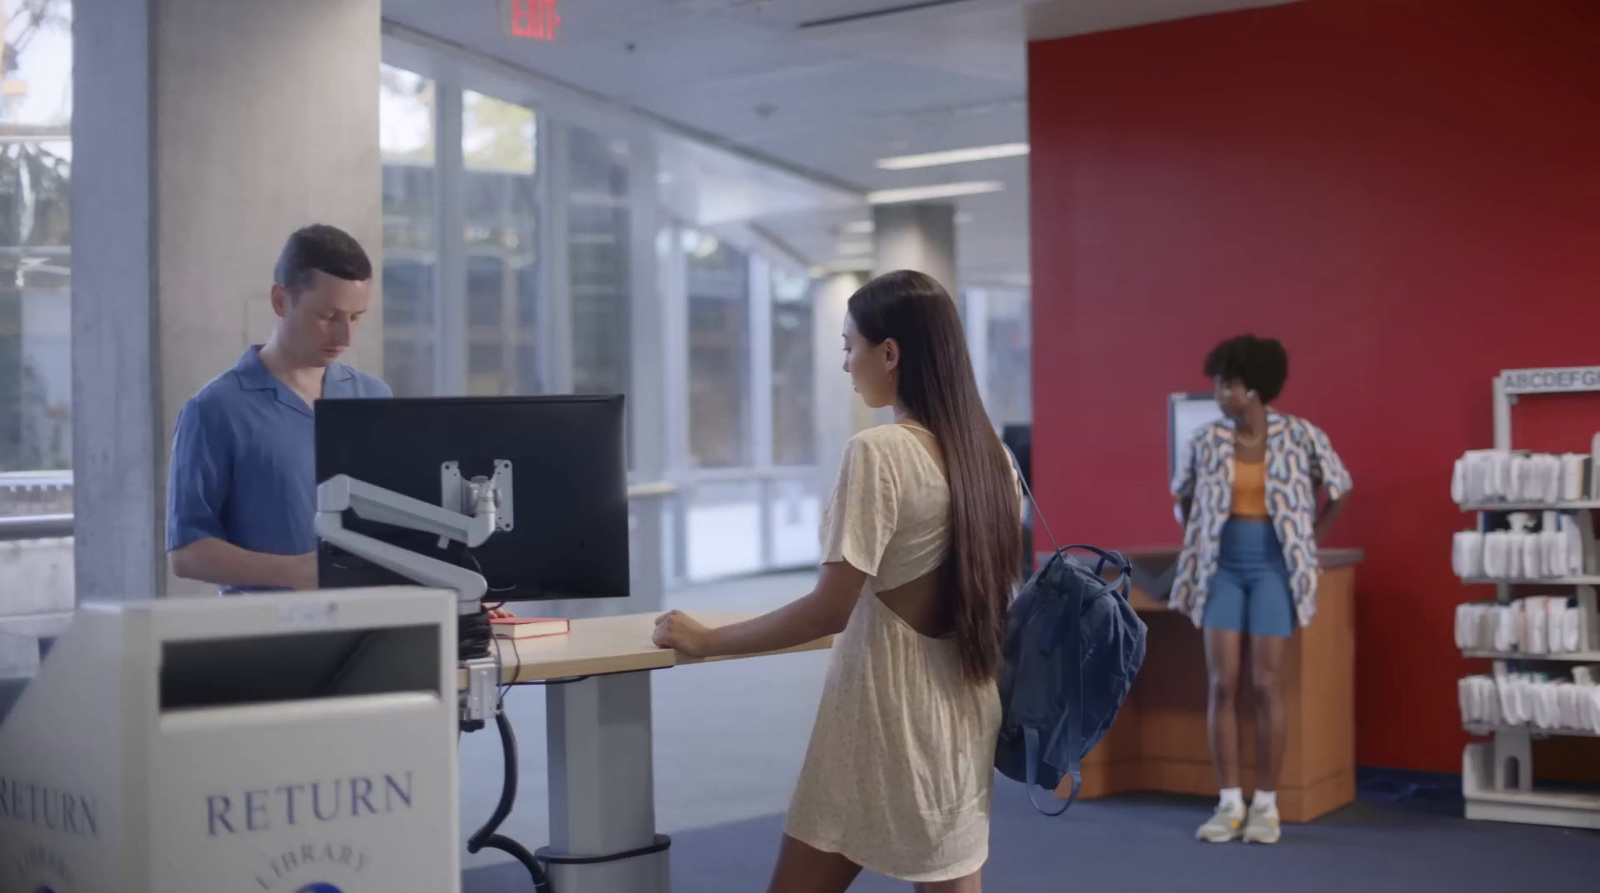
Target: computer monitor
1186 414
569 534
1019 439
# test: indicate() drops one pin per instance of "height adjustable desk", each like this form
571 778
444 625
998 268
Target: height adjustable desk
602 783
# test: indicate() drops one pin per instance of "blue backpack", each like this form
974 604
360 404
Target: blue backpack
1073 648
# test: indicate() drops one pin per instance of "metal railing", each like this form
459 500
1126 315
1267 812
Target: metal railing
35 527
35 505
56 525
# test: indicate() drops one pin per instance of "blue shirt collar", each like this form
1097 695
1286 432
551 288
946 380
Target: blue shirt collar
254 376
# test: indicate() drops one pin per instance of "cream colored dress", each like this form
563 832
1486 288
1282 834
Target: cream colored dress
899 774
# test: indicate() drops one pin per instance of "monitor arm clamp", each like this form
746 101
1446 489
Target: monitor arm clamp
487 505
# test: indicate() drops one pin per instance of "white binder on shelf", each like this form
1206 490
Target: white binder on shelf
1594 468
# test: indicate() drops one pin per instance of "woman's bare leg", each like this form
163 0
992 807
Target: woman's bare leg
803 868
1222 716
1272 712
972 883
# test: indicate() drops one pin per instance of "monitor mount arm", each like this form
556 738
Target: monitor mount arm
487 508
482 500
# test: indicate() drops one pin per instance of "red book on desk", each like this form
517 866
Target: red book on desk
528 627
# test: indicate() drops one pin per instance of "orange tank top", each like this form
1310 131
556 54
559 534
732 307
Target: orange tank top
1249 489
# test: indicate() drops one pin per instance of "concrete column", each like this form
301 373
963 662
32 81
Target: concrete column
450 273
837 406
205 131
975 319
916 237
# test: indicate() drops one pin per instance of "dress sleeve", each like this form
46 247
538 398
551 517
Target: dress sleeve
862 512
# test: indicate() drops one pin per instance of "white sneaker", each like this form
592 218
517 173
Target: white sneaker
1262 826
1223 826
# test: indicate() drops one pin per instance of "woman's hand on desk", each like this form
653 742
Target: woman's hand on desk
500 614
681 632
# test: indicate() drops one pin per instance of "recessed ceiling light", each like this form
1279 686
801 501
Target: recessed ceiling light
953 156
857 247
857 227
963 217
928 193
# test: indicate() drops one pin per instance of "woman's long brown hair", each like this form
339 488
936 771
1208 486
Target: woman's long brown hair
936 386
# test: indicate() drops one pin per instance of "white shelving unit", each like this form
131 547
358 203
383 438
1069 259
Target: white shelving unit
1497 774
1480 729
1580 505
1571 657
1490 802
1591 581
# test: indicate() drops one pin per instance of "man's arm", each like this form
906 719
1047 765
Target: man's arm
222 563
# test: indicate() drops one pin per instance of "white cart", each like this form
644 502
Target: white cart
298 743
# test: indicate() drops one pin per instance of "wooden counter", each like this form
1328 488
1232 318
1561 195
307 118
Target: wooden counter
1159 740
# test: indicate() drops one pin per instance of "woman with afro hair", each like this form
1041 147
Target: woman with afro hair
1250 500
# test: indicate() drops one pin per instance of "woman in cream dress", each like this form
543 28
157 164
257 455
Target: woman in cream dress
921 545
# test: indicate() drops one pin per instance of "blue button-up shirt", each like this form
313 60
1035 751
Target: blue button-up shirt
244 467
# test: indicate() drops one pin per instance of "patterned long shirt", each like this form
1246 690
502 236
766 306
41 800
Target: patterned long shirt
1299 461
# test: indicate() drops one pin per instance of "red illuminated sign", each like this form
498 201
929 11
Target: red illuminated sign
534 19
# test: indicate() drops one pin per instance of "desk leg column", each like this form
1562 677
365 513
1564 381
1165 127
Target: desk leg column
602 788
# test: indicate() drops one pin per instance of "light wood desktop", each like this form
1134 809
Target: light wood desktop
1159 741
603 645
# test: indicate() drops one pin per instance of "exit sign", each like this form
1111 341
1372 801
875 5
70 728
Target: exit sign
532 19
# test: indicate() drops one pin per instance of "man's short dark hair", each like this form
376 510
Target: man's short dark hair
320 247
1260 363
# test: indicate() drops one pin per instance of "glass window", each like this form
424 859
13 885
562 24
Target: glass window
794 514
499 146
724 530
597 255
1010 376
410 259
794 431
718 291
35 236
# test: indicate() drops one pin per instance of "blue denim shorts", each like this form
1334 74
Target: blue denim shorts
1250 592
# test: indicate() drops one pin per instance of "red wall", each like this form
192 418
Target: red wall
1406 192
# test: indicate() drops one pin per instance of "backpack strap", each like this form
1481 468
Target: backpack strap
1115 559
1030 743
1028 492
1074 717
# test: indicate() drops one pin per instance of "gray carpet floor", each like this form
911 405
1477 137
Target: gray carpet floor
730 739
1143 843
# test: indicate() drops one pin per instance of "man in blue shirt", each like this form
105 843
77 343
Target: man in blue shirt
242 489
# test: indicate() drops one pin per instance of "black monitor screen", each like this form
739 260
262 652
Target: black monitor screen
1019 439
568 476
